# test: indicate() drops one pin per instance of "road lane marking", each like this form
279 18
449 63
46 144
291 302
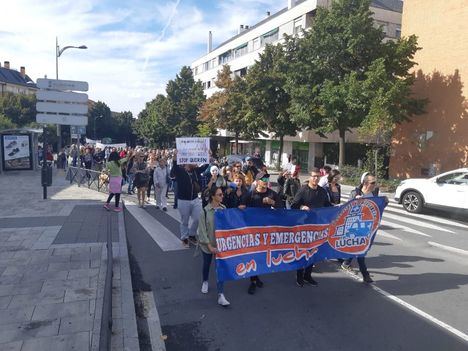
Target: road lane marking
384 234
448 248
403 228
412 308
165 239
415 222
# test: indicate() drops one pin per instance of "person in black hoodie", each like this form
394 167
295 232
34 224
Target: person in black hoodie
308 197
262 197
188 202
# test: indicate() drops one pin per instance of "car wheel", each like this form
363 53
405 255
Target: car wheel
412 202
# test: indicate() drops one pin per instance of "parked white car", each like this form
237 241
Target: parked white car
445 191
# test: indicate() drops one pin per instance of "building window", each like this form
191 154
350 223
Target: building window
241 72
206 66
241 50
270 37
398 32
208 84
256 43
297 25
225 58
195 71
213 62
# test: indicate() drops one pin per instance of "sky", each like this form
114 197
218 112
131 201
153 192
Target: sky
134 47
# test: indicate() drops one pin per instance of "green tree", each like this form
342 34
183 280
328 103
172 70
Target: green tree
124 123
20 109
267 97
336 72
185 97
100 121
227 108
152 123
6 123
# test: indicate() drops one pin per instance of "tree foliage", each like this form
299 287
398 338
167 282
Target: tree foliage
343 75
226 109
152 124
267 97
185 97
19 109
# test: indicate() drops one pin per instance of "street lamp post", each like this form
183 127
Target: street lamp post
58 52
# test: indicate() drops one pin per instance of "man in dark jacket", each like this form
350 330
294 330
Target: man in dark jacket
308 197
261 197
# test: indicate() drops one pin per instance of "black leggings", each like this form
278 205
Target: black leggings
148 190
117 199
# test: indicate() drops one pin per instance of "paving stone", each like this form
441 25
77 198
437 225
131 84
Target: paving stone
16 289
76 324
66 266
11 346
61 310
75 342
79 294
28 330
81 273
34 276
5 301
42 298
12 315
62 284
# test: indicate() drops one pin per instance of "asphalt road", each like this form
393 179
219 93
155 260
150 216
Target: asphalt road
419 300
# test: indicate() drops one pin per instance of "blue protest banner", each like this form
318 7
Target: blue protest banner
257 241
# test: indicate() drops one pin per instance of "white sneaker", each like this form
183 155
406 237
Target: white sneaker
222 300
204 287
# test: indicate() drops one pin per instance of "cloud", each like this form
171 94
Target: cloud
134 47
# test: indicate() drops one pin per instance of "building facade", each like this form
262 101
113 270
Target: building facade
438 140
16 82
241 51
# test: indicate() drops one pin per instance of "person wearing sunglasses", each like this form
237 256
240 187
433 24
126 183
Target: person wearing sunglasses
207 240
367 188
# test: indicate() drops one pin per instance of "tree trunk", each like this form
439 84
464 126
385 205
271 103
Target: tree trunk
341 159
278 167
237 143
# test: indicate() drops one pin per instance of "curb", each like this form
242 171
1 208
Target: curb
129 324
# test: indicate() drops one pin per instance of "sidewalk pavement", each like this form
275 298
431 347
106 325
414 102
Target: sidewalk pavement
53 261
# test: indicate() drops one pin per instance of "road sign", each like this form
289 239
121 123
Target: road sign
52 95
43 83
63 108
62 119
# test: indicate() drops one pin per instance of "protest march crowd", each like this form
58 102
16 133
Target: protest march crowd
201 190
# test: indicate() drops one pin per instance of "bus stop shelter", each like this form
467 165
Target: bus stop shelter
18 149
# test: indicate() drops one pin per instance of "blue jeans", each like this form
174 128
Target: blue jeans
130 178
207 258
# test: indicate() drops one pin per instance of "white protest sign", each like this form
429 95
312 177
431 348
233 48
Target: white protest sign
193 150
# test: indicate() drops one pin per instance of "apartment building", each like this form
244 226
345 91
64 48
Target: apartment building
436 141
16 82
241 51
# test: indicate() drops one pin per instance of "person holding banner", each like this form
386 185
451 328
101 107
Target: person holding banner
207 240
115 180
367 188
188 202
262 197
308 197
